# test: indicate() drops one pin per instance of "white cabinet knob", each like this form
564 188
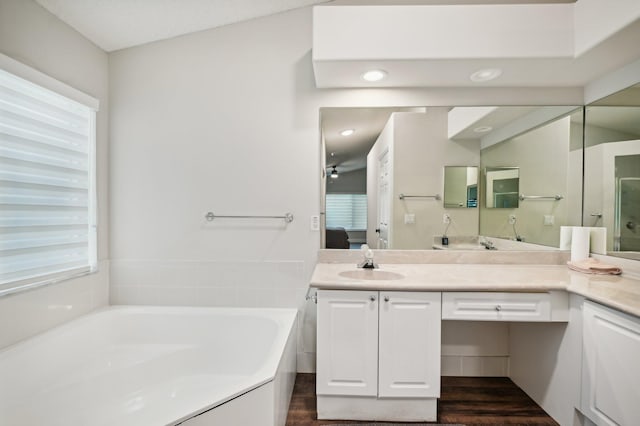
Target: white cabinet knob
498 308
386 298
372 298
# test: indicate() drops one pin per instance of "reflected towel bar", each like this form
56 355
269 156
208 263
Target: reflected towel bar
435 197
523 197
288 217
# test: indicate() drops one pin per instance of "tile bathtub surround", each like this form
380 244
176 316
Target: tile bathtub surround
203 283
25 314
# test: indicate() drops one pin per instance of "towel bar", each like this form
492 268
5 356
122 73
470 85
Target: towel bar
523 197
288 217
435 197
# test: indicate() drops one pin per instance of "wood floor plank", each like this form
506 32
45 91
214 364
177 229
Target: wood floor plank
472 401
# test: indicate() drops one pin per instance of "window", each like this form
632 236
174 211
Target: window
47 185
348 211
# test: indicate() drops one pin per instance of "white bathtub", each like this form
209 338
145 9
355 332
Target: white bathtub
154 366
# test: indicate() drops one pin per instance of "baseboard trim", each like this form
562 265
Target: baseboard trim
332 407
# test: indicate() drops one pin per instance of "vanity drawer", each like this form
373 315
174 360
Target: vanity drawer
492 306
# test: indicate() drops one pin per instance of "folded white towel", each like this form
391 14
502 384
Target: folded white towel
593 266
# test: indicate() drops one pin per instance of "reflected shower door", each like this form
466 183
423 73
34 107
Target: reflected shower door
627 228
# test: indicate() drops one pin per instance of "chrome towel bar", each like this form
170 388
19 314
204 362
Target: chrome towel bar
523 197
435 197
288 217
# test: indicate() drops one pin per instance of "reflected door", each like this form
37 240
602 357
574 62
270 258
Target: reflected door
384 201
627 215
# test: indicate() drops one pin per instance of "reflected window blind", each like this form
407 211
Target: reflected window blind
47 185
348 211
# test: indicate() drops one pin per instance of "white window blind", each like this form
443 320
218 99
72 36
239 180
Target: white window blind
47 185
348 211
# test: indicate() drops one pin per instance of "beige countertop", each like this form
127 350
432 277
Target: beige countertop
618 292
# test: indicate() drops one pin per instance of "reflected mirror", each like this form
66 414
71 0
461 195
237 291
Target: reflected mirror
539 173
460 187
392 161
612 170
503 187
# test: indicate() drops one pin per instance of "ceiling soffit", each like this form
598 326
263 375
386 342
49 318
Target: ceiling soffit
534 45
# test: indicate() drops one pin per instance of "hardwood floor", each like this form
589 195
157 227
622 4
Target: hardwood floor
472 401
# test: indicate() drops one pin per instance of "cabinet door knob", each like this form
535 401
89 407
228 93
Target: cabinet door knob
386 298
372 298
498 308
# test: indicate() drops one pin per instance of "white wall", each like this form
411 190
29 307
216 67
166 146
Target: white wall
219 120
36 38
228 120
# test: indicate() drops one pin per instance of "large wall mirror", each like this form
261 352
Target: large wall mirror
612 170
393 175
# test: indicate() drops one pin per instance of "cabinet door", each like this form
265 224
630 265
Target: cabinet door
347 350
610 366
409 354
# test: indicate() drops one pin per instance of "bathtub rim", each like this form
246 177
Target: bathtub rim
284 317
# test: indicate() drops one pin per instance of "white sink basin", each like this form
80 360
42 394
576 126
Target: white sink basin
371 274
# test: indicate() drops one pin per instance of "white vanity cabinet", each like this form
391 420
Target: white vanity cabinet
499 306
610 366
378 355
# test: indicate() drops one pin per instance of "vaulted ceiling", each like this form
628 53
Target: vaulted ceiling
118 24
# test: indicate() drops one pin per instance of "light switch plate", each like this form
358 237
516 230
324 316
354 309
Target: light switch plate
409 218
548 219
315 223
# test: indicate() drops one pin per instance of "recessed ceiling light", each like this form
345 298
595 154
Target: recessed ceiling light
374 75
486 74
483 129
347 132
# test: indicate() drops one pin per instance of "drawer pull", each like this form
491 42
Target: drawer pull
386 298
498 308
372 298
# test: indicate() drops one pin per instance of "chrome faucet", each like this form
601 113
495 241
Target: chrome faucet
367 262
488 245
